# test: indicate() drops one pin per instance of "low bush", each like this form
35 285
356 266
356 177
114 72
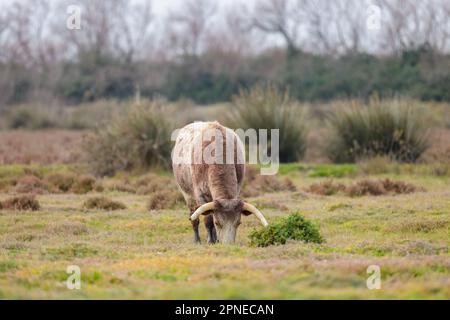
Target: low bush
22 203
121 187
391 129
325 188
256 184
84 184
267 108
164 200
60 183
139 139
294 227
363 188
366 187
103 203
31 184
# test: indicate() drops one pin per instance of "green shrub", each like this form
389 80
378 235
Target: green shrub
138 139
394 130
267 108
294 227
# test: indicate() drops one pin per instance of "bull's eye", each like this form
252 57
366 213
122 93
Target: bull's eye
218 224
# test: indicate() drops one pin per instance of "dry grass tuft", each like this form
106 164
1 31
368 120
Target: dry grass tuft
400 187
31 184
164 200
325 188
122 187
366 187
151 183
22 203
68 228
381 187
84 184
60 183
256 184
363 188
425 226
103 203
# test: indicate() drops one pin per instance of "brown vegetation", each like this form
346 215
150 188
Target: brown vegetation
40 147
60 183
256 184
84 184
30 185
21 203
363 187
325 188
68 228
164 200
103 203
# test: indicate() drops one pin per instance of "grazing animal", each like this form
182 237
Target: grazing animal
210 177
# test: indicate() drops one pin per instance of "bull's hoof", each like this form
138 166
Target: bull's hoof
212 240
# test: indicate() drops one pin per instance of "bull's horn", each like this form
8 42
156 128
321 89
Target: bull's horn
202 209
251 208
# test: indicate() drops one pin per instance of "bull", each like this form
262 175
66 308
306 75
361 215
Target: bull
209 167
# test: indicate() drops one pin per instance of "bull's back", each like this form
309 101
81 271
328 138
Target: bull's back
189 169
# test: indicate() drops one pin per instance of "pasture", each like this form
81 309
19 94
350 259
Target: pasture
137 253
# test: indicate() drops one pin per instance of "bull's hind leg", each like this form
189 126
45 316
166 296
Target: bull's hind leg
211 234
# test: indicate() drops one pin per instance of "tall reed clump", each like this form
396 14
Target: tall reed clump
264 107
141 138
393 129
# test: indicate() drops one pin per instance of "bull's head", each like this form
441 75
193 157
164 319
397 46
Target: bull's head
227 216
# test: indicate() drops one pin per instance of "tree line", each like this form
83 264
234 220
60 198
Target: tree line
206 50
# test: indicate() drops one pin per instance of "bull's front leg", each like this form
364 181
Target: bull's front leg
211 235
195 225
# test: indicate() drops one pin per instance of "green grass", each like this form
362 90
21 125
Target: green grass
319 170
134 253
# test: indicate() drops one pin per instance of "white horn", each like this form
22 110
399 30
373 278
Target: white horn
251 208
202 209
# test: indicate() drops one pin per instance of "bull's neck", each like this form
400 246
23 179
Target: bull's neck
223 181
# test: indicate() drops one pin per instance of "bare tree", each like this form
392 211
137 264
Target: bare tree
132 35
411 24
26 39
118 28
318 17
188 26
279 17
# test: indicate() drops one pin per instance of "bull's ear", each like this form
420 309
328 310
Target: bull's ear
246 212
251 209
205 213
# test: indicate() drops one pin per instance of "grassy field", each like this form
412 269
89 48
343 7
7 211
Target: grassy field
137 253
